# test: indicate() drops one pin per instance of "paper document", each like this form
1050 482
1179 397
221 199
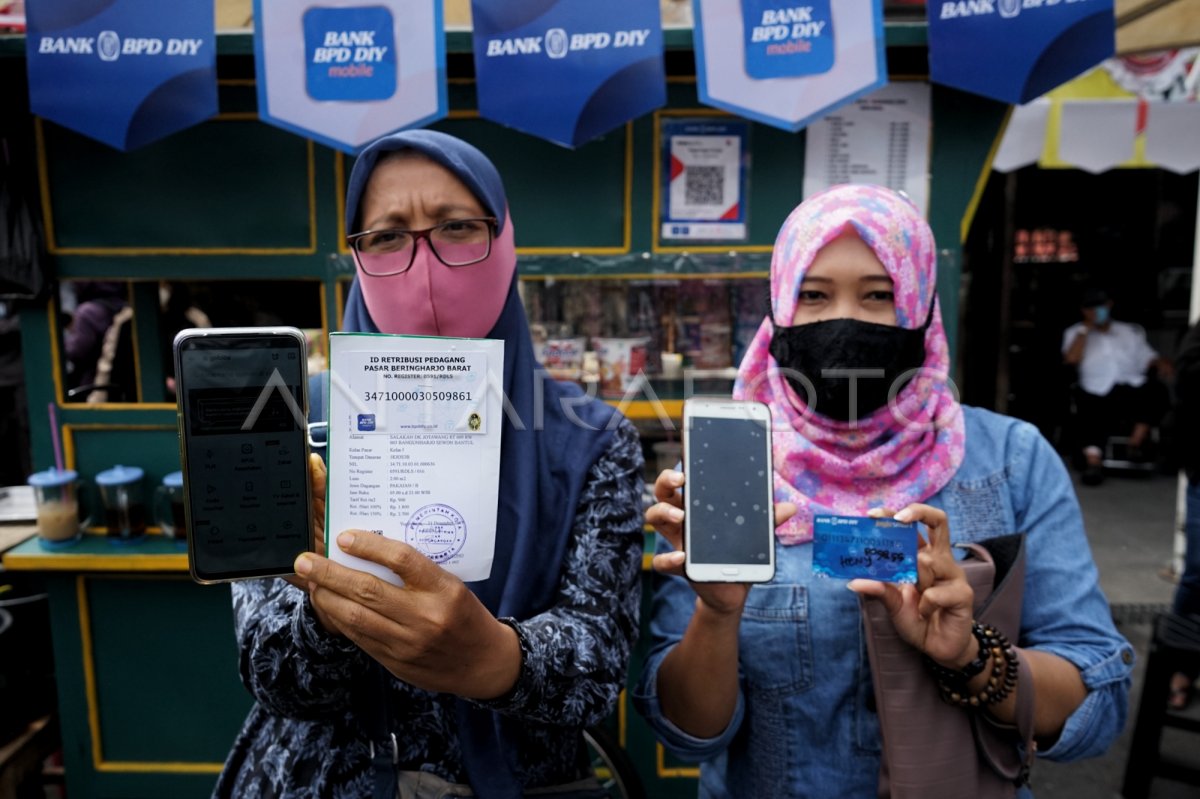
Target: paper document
414 446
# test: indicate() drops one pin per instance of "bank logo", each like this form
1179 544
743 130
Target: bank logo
108 45
959 9
350 53
556 43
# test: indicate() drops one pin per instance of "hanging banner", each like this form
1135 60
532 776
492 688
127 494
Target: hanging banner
787 62
1016 50
568 70
124 72
345 73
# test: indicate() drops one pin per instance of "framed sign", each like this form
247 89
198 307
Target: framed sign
704 180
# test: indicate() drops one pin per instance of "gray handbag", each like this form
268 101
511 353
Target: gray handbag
934 750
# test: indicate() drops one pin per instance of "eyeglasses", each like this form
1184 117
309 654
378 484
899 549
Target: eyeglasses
459 242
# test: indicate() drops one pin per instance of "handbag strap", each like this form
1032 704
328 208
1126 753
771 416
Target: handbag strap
1001 608
994 739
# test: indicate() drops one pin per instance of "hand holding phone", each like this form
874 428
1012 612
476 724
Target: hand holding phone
243 440
729 522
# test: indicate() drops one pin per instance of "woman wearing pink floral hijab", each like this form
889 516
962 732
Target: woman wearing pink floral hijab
831 457
768 686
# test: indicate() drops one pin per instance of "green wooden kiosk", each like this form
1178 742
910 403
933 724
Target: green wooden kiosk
149 697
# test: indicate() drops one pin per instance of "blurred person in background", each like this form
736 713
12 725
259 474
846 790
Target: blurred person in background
1115 363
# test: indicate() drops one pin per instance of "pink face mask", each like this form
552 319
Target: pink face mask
432 299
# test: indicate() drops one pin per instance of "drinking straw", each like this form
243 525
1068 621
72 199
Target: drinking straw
58 456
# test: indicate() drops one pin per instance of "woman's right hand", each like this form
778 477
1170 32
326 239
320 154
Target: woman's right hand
317 474
666 516
698 679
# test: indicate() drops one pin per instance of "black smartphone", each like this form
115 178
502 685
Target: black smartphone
243 441
729 521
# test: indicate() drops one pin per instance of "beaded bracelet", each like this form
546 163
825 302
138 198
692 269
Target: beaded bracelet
960 677
993 645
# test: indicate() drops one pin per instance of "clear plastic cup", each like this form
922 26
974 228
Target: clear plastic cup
124 503
56 494
168 507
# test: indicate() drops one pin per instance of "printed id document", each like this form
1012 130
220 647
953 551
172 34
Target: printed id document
414 447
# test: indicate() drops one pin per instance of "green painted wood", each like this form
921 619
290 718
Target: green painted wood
148 342
643 187
225 183
100 547
168 684
965 127
68 676
570 199
198 267
156 451
203 690
80 414
39 382
776 180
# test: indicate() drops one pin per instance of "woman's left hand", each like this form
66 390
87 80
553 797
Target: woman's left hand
432 632
935 614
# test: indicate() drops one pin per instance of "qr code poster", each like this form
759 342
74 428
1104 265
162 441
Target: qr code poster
705 165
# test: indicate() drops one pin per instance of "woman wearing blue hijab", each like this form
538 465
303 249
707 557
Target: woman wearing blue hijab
439 687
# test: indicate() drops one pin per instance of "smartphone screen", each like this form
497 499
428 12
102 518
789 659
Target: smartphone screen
730 511
245 450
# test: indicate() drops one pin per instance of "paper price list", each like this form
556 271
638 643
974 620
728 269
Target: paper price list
866 153
882 139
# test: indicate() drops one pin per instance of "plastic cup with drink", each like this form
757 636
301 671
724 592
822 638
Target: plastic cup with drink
168 508
124 505
56 493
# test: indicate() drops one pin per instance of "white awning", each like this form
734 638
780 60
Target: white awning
1130 112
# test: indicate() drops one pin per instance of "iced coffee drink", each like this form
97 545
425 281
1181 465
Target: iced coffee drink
57 494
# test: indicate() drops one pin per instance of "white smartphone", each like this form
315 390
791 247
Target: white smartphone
729 521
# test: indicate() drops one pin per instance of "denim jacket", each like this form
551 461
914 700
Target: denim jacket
804 724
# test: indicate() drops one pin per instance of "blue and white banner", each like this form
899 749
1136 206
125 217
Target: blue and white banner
1016 50
568 70
124 72
787 62
346 72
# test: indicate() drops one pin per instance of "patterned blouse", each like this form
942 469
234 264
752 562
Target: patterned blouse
304 738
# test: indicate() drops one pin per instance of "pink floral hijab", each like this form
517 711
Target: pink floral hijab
905 452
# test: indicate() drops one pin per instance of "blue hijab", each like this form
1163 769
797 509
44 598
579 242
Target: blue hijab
542 471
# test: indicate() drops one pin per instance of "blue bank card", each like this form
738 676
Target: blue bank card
846 547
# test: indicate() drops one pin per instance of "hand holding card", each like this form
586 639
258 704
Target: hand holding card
934 616
865 546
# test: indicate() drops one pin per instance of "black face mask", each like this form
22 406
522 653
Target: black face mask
871 358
